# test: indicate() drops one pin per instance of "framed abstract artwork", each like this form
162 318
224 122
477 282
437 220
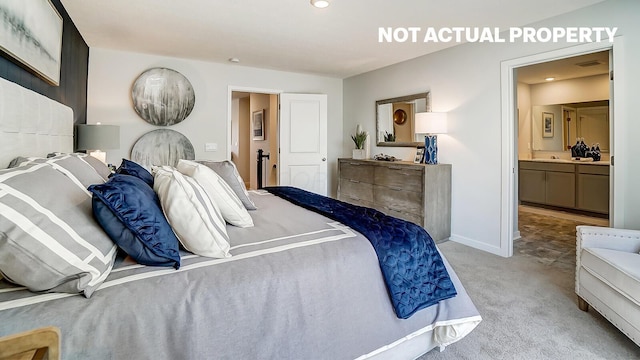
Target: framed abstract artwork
162 97
162 147
31 33
258 125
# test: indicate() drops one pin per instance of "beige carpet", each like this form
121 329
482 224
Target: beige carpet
528 302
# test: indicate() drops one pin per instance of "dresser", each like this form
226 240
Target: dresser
418 193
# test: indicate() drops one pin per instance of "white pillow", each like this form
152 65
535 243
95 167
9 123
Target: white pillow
219 192
195 219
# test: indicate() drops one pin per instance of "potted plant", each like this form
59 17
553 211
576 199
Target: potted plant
359 139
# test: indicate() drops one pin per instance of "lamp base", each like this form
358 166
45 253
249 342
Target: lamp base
100 155
431 149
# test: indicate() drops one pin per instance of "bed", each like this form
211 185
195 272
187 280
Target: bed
296 284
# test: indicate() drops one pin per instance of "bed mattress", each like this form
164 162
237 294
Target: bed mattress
298 285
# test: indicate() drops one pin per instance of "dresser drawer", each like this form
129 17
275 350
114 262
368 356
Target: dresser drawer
593 169
399 177
398 199
547 166
356 171
358 202
355 190
412 217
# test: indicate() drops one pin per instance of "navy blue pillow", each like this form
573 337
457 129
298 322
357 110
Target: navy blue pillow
129 212
128 167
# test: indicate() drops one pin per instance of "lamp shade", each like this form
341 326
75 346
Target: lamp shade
430 123
97 137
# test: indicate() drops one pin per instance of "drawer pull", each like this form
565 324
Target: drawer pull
354 164
354 181
354 198
395 168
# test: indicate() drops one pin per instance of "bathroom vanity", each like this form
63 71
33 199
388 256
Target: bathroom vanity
568 184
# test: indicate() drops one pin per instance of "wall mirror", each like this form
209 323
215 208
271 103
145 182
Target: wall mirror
395 119
556 126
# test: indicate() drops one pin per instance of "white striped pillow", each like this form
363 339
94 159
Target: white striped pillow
218 191
49 240
195 219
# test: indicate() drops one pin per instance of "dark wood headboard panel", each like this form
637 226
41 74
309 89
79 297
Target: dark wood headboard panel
73 73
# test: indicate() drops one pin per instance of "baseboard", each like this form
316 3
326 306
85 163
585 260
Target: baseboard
476 244
516 235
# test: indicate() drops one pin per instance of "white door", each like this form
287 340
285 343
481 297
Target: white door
303 141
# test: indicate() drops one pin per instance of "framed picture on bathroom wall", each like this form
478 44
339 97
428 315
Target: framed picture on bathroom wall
547 124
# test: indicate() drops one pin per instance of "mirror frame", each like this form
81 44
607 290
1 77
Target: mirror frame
425 95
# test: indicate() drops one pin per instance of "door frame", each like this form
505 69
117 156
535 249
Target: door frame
509 126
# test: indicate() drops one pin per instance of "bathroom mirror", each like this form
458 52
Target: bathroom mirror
395 119
556 127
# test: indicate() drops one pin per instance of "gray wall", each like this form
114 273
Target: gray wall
465 81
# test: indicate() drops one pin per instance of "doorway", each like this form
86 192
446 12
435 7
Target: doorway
291 129
562 103
254 127
510 133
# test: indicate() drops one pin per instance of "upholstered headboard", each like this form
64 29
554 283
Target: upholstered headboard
32 124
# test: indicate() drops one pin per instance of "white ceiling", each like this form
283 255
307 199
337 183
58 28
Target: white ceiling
568 68
291 35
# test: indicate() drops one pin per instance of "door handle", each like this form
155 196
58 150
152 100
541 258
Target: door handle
324 159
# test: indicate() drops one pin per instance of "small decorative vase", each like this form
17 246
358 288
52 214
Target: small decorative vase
359 154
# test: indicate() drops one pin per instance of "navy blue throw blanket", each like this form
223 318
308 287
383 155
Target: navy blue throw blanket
413 270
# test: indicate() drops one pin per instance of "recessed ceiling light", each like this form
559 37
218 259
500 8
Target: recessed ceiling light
234 60
321 4
550 78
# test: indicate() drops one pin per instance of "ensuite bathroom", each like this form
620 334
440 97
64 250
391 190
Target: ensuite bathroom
564 157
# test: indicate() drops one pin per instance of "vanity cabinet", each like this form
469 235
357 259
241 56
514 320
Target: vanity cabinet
418 193
593 188
572 186
548 183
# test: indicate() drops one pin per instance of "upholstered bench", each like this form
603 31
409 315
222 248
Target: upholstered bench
608 275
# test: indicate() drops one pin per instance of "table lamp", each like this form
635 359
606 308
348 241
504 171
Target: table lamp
97 138
431 123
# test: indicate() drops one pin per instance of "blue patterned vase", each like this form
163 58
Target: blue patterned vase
431 149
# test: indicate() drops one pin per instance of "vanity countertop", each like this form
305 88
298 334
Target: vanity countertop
569 161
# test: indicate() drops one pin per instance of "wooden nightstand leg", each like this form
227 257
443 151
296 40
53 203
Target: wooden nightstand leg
582 305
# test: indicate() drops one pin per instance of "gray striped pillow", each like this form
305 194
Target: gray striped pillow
81 168
229 173
195 219
49 240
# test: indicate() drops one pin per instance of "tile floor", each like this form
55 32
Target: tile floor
550 236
